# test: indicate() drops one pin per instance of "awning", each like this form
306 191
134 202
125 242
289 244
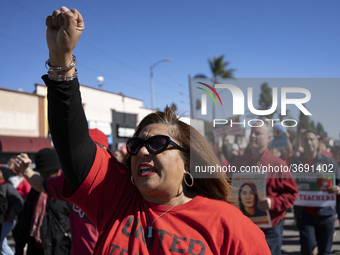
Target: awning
23 144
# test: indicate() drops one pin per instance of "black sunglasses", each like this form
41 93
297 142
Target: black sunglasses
155 144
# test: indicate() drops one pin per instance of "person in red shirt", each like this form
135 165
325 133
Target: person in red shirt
84 233
316 224
280 186
152 205
18 181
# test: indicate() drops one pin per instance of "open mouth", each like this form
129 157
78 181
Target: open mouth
145 169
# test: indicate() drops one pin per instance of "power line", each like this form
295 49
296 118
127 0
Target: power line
124 39
98 49
127 65
28 10
79 64
24 42
114 30
114 58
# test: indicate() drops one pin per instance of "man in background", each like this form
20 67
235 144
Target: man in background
316 223
281 190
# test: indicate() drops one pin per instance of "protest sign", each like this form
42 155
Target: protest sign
313 189
249 189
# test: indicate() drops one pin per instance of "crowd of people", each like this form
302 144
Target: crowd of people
316 224
42 214
82 198
41 220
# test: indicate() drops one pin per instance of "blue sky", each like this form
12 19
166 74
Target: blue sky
261 39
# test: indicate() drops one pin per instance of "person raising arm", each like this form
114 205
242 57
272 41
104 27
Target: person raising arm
71 138
151 205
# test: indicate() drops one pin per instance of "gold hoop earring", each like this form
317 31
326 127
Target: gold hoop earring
132 180
185 179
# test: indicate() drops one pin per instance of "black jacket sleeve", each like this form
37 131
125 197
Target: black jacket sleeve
21 231
69 130
14 199
3 203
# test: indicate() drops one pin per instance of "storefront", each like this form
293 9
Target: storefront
13 145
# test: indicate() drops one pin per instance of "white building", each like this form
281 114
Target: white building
24 124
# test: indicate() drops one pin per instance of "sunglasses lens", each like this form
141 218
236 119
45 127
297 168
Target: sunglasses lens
133 145
157 144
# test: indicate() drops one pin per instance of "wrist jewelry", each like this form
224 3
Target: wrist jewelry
57 69
55 73
63 77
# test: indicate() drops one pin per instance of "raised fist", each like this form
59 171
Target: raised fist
22 162
64 28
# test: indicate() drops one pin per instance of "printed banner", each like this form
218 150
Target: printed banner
313 189
249 188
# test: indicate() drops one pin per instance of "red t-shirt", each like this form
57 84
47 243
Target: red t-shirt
84 233
200 226
21 184
24 189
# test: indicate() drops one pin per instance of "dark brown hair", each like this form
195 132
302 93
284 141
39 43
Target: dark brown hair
253 189
195 148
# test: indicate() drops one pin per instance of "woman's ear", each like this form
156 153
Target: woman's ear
186 168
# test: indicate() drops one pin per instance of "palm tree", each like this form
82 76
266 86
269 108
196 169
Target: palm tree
218 68
200 75
173 107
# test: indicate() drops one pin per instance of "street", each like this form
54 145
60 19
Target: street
291 243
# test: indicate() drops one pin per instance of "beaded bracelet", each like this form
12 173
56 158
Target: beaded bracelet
62 77
57 69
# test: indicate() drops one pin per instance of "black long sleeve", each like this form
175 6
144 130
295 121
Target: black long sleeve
69 130
14 199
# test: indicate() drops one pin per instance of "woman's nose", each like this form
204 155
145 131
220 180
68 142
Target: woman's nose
143 151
